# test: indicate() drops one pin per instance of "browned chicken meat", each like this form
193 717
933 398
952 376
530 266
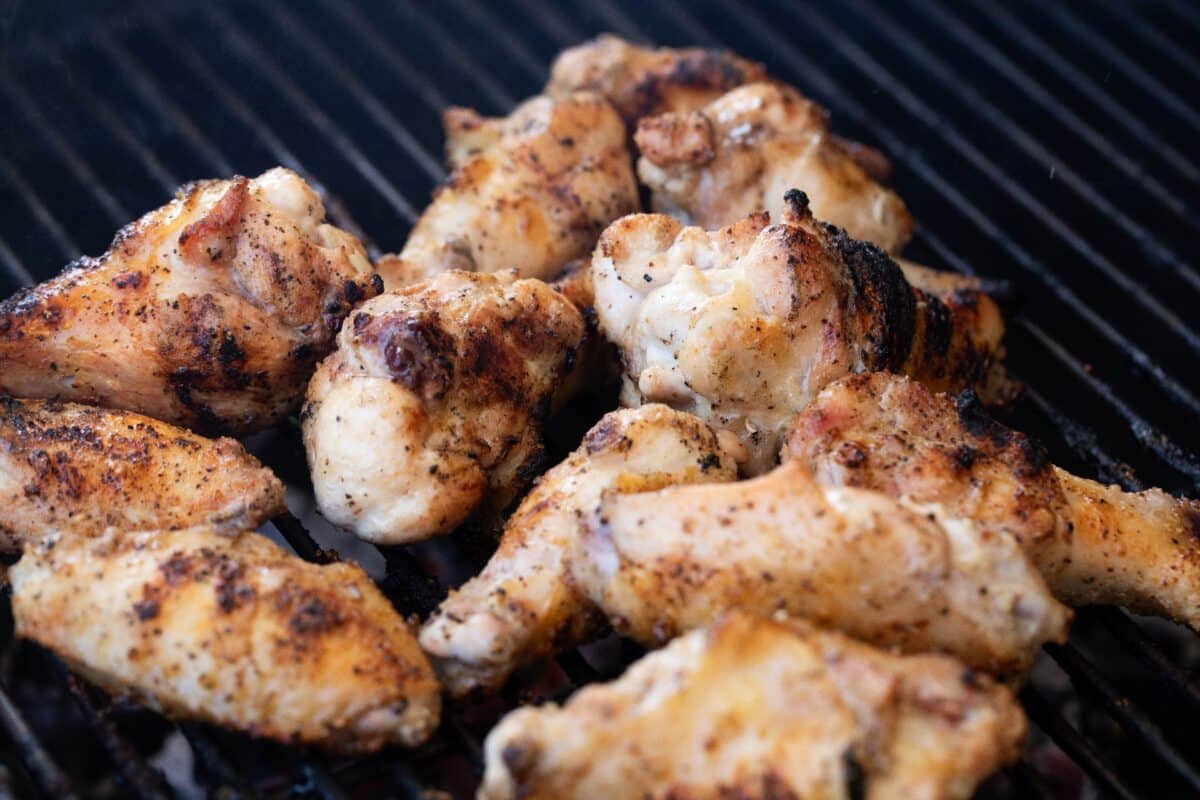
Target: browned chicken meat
744 325
743 151
662 562
231 630
530 192
1093 543
754 708
72 469
210 312
522 607
434 402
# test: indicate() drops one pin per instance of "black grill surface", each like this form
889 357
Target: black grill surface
1050 145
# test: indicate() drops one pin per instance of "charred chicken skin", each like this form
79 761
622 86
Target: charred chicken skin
523 607
1093 543
76 470
530 192
434 402
233 630
757 708
210 312
742 152
663 562
744 325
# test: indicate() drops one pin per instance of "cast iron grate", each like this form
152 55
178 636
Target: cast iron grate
1048 145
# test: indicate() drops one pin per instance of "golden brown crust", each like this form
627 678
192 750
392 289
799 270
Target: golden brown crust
762 710
451 381
1093 543
76 470
232 630
210 312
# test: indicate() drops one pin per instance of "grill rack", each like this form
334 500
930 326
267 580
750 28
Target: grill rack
866 43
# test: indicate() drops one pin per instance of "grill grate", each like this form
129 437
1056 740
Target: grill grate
1047 145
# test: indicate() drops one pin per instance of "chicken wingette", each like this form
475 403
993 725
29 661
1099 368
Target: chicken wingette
210 312
78 470
659 563
232 630
1093 543
434 401
530 192
744 325
523 607
743 151
756 708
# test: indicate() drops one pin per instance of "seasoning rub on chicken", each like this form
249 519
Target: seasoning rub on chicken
744 325
210 312
753 708
523 606
233 630
530 192
74 470
659 563
1093 543
434 401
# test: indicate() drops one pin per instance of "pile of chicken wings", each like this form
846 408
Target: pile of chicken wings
840 562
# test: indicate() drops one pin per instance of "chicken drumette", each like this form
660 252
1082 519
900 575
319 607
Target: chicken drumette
530 192
522 606
233 630
210 312
744 325
659 563
1093 543
743 151
77 470
434 402
754 708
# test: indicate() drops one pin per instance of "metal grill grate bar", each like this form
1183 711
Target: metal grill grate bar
34 203
50 779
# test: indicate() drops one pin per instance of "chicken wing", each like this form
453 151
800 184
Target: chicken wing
210 312
72 469
231 630
530 192
754 708
1093 543
743 326
662 562
522 607
745 149
434 401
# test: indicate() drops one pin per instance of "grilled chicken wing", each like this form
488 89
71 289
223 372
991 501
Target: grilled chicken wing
743 326
522 607
210 312
662 562
530 192
232 630
741 153
434 401
1093 543
72 469
752 708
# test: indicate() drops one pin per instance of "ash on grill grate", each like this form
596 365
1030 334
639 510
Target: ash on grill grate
1052 146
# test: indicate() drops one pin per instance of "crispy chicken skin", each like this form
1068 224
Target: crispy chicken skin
434 402
210 312
640 81
743 326
522 607
663 562
1093 543
744 150
530 192
77 470
759 709
231 630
